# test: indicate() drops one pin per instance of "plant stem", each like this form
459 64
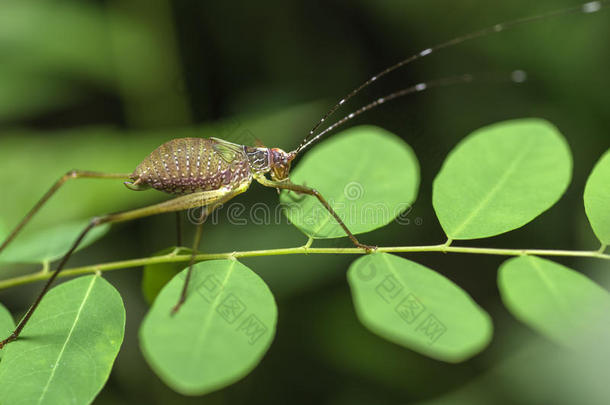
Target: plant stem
173 257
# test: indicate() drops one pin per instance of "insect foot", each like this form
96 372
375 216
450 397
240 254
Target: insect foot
367 248
176 308
8 340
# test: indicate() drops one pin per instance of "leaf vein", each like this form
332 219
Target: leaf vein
63 348
492 192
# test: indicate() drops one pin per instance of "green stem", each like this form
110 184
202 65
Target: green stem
173 257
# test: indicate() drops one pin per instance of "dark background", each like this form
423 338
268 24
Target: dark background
98 85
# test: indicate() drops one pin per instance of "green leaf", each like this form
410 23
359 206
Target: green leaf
500 178
3 231
368 175
557 301
50 243
597 199
220 333
415 307
7 325
66 351
155 276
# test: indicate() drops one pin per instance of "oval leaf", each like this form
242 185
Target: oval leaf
220 333
597 199
557 301
66 351
155 276
417 308
500 178
368 175
7 325
51 243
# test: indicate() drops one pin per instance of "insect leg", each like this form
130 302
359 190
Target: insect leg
72 174
296 198
295 195
178 229
197 241
287 185
207 210
176 204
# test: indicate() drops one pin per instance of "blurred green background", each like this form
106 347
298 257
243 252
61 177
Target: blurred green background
97 85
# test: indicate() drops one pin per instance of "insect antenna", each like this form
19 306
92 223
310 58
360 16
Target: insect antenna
586 8
516 76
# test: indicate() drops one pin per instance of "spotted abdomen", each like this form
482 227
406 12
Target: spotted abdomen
188 165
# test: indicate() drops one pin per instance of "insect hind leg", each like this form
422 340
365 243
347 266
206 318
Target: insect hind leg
72 174
176 204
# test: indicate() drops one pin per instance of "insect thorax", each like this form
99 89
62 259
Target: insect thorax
258 159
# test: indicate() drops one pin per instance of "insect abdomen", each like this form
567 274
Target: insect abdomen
188 165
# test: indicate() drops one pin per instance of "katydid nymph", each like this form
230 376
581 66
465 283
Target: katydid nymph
208 172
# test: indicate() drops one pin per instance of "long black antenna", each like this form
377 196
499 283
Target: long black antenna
516 76
586 8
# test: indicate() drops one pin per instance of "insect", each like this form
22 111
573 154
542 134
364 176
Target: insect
208 172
